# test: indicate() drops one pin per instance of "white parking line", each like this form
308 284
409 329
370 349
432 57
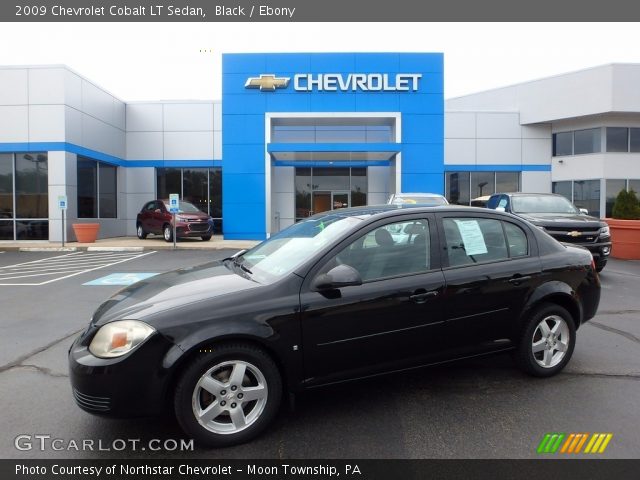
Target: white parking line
62 266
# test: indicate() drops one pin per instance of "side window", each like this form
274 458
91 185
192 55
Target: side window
400 248
474 240
517 240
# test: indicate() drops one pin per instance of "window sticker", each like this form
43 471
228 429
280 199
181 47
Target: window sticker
472 237
503 203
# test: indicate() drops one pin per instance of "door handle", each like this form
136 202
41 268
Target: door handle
517 280
422 297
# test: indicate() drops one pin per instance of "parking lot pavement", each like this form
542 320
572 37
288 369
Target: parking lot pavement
58 267
480 408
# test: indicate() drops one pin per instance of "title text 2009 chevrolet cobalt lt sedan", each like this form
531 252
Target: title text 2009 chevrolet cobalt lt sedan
341 295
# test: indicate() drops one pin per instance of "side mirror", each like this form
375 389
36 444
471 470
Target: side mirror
157 210
337 277
584 211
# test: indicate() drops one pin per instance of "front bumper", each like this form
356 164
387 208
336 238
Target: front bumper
131 385
193 229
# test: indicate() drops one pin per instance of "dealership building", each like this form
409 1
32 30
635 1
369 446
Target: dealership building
297 134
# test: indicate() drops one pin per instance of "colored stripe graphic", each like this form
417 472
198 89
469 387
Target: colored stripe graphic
572 443
551 442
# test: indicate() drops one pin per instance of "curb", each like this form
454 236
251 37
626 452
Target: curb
115 249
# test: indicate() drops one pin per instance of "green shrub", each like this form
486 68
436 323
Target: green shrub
627 206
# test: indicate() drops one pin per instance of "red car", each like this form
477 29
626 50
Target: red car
190 222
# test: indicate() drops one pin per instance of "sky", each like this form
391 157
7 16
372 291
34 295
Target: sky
163 61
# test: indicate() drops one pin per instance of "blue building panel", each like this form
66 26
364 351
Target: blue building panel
421 111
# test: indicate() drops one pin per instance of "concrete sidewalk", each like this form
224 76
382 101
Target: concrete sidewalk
130 244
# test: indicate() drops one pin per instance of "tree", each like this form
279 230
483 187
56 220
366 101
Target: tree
626 206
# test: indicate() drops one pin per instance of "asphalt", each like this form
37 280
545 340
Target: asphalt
481 408
152 242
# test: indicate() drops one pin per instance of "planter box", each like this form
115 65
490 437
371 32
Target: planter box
625 237
86 232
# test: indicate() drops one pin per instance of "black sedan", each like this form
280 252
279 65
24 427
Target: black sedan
339 296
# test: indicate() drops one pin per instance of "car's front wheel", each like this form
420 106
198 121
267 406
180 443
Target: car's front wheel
140 232
547 341
167 233
228 394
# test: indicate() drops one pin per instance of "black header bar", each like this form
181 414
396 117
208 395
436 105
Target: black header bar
317 10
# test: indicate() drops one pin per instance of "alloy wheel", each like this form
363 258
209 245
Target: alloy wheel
550 341
229 397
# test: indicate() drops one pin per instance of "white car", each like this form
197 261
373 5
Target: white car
423 199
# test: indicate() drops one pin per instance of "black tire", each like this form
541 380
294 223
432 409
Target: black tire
140 232
524 355
222 360
167 233
206 238
600 266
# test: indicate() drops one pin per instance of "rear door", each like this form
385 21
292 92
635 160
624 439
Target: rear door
491 266
393 319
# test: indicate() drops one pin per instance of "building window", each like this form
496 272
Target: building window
562 144
564 189
97 189
332 130
617 139
614 187
461 188
634 140
583 194
586 141
200 186
24 196
328 188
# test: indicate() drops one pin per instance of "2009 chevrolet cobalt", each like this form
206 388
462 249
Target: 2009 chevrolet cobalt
341 295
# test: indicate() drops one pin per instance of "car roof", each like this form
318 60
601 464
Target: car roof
519 194
388 210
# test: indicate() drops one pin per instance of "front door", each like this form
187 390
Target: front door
390 321
339 200
325 201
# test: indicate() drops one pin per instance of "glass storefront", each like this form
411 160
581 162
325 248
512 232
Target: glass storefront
24 196
97 189
200 186
320 189
463 187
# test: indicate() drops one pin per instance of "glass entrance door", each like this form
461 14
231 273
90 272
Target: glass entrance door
339 200
325 201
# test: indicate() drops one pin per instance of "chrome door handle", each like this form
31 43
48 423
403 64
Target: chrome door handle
518 280
422 297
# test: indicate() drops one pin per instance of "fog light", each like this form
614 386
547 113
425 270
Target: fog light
606 250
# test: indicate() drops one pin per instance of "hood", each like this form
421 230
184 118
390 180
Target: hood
171 290
561 219
193 216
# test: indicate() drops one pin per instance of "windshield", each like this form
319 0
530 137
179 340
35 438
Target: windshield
542 204
419 200
290 248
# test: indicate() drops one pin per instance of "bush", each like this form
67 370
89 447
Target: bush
627 206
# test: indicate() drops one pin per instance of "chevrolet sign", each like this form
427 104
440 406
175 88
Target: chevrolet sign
332 82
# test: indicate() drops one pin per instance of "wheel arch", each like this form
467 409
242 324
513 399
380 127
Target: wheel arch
179 358
557 293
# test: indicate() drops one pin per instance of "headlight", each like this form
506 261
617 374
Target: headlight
117 338
604 231
180 219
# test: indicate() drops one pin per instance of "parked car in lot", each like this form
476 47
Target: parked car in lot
422 199
332 298
559 218
190 222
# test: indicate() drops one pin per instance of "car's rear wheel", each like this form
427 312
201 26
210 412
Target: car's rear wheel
547 341
228 395
167 233
206 238
140 232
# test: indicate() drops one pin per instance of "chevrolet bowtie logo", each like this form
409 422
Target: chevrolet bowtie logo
574 233
267 83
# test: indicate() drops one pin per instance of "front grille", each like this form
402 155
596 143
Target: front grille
199 227
90 402
563 234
